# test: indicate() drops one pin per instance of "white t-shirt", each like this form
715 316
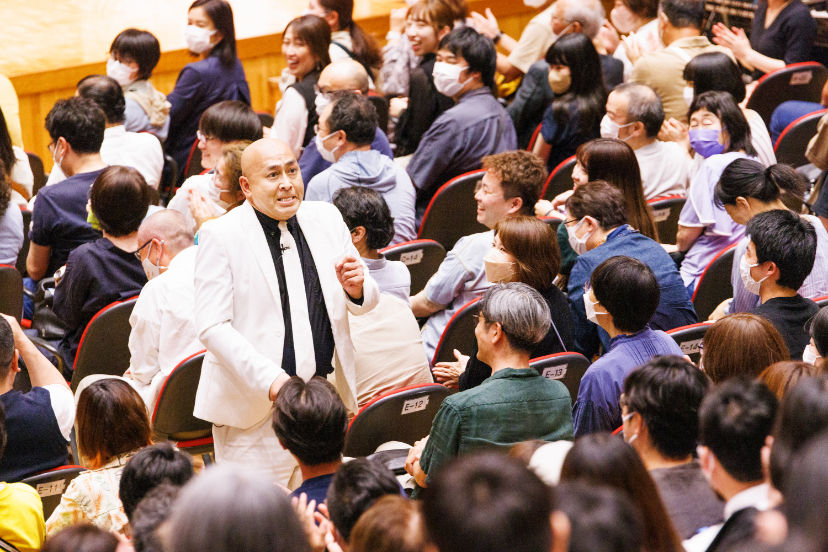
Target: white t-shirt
665 169
204 183
63 405
760 138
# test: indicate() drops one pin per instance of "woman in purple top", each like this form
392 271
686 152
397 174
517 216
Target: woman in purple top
720 133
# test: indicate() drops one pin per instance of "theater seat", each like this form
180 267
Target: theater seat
51 485
459 333
24 251
534 138
422 257
793 141
568 368
714 285
689 338
559 180
452 212
798 81
822 301
36 164
193 165
11 291
666 211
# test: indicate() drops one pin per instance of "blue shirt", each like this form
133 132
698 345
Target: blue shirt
315 488
565 139
674 308
596 408
311 163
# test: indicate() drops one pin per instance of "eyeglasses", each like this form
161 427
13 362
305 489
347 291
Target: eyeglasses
568 222
203 137
137 252
320 91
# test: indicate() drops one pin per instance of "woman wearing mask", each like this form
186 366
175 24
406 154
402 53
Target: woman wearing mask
132 57
223 124
227 173
218 75
574 117
348 40
524 250
636 19
305 46
720 133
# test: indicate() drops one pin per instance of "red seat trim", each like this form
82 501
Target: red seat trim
389 394
824 297
411 242
97 314
534 138
619 430
557 355
665 198
553 173
66 467
195 443
25 323
713 260
794 123
161 391
792 65
437 194
690 326
190 157
451 320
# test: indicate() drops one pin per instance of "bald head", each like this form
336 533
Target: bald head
345 74
168 226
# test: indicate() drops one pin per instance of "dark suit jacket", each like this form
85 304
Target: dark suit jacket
738 528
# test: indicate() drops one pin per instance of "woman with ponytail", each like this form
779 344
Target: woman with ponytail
348 40
745 189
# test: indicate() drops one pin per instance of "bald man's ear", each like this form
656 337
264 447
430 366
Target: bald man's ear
244 184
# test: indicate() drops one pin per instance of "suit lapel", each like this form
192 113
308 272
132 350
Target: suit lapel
255 236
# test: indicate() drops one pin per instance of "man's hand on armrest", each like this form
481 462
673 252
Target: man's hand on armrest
41 371
422 306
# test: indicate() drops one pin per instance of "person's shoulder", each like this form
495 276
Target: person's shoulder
320 209
473 242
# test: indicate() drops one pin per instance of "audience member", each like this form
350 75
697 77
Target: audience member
112 426
735 418
222 124
392 524
355 487
600 518
817 350
15 165
59 220
218 75
638 21
510 186
789 111
305 45
163 320
150 516
746 189
804 506
513 319
720 134
598 230
524 250
261 518
105 270
741 344
489 502
635 115
345 74
660 409
546 460
428 22
680 25
38 424
310 421
150 467
781 254
580 99
11 220
781 376
345 131
82 538
715 71
21 511
771 47
227 172
627 293
119 147
604 459
477 126
348 39
132 57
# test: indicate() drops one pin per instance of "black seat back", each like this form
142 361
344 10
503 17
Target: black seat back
459 333
11 291
36 163
666 212
381 105
568 368
798 81
559 180
422 257
51 485
689 338
173 416
793 141
452 212
24 251
714 284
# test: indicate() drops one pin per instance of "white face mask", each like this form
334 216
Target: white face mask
578 244
58 161
610 129
321 102
750 284
198 39
688 95
592 316
327 155
810 355
214 193
152 270
118 71
447 78
498 268
624 419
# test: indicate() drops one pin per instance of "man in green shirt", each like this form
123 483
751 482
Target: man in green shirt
515 404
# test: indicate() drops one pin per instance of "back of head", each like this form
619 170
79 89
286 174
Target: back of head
600 518
667 392
111 419
310 420
221 14
803 414
628 289
81 538
786 239
168 226
478 51
534 246
365 207
392 524
643 105
6 348
715 71
231 121
723 106
354 114
149 468
488 502
590 14
120 199
355 487
107 94
819 331
601 201
226 509
735 418
521 174
78 121
682 14
741 343
139 46
780 377
152 512
521 311
748 178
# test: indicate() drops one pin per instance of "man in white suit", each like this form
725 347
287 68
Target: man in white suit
275 280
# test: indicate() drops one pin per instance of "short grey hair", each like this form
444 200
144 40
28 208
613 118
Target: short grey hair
168 226
644 105
589 13
521 312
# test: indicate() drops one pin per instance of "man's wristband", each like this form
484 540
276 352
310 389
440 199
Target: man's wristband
498 36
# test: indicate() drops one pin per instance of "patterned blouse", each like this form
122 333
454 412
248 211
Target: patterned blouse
92 497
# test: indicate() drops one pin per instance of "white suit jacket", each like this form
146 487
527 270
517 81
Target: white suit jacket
239 314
